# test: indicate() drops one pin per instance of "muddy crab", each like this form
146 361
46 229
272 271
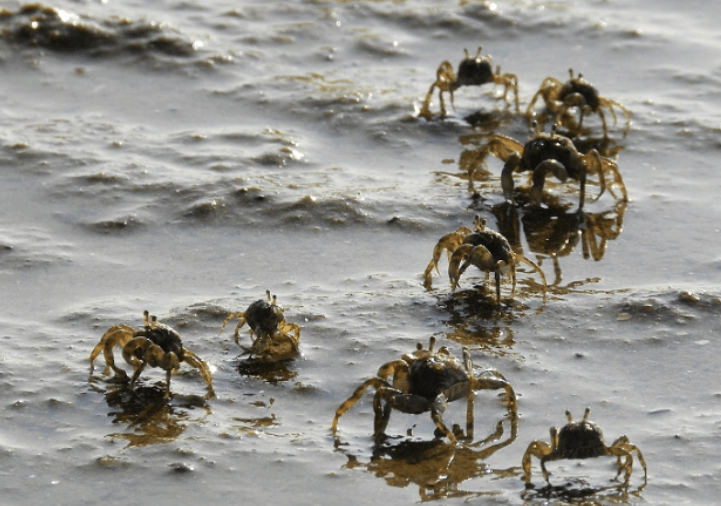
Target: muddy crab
474 71
543 154
576 92
271 336
427 380
153 344
486 249
581 440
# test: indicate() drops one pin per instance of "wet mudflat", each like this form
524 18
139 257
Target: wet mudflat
185 158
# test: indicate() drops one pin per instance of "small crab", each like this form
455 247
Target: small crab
581 440
152 344
545 153
576 92
471 72
269 332
426 381
486 249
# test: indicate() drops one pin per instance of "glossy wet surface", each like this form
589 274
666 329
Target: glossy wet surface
185 158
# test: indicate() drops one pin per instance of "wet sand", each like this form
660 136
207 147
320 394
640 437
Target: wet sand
184 159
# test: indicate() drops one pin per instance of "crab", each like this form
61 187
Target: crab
546 153
423 381
474 71
581 440
576 92
271 336
152 344
486 249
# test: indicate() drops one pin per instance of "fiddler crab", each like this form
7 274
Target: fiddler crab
487 249
271 336
474 71
426 380
543 154
576 92
581 440
153 344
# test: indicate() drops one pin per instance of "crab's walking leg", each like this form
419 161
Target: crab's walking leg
376 383
382 415
437 409
499 145
194 361
295 338
537 449
118 335
551 455
622 447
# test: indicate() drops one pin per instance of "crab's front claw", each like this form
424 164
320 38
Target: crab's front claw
539 179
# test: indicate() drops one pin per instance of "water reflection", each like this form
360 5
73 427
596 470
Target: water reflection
271 371
554 232
150 416
476 322
579 491
437 467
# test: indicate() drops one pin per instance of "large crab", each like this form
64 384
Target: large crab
474 71
581 440
152 344
486 249
543 154
423 381
576 92
271 336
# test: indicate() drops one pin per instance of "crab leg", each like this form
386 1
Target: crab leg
374 382
537 449
118 335
193 360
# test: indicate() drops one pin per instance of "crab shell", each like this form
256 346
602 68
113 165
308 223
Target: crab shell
580 440
474 72
586 90
166 337
552 147
263 317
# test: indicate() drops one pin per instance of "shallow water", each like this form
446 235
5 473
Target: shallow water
185 157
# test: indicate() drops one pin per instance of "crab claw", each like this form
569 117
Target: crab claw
539 178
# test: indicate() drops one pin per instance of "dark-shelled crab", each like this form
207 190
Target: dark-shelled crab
153 344
486 249
576 92
271 336
474 71
543 154
581 440
427 380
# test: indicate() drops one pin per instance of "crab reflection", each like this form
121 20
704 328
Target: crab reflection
150 417
579 493
478 324
438 468
272 372
554 232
